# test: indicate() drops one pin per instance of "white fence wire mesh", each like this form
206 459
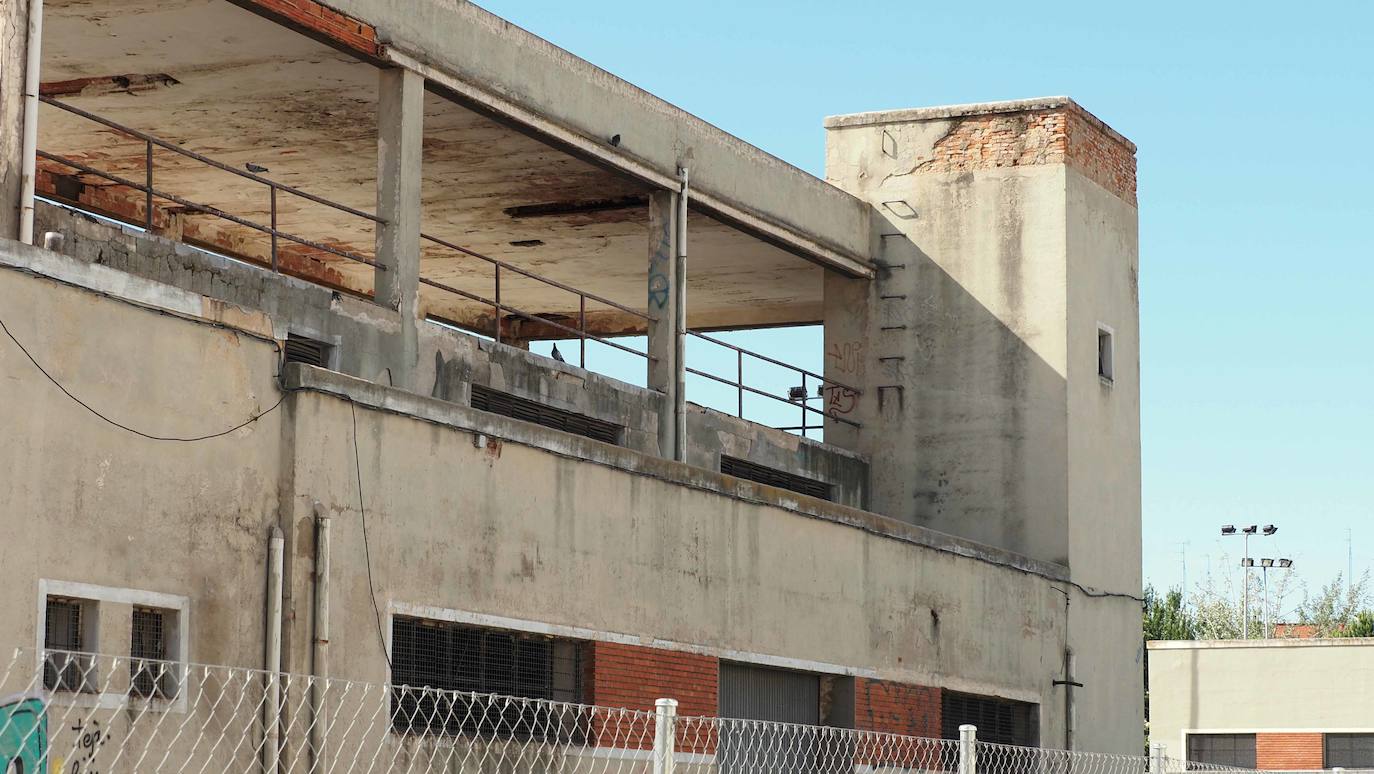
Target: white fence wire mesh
76 713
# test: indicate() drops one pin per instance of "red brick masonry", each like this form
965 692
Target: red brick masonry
322 19
1288 752
895 708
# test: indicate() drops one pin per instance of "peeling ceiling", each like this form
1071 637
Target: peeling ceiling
225 83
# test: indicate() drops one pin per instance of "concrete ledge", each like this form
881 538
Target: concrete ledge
1282 642
910 115
297 376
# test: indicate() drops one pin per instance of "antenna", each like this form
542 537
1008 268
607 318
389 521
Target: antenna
1349 562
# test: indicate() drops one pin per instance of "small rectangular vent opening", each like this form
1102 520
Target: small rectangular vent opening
732 466
300 349
507 405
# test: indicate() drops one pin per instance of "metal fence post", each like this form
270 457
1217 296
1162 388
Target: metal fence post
665 735
968 749
1157 758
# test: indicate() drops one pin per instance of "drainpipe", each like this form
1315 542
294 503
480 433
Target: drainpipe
320 664
271 746
680 324
34 53
1070 700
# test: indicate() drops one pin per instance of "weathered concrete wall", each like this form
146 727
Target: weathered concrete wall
450 362
83 501
1259 685
531 525
1007 234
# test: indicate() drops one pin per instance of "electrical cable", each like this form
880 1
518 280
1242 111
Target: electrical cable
124 427
367 552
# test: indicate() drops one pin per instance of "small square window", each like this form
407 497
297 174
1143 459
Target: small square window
151 674
66 667
1106 355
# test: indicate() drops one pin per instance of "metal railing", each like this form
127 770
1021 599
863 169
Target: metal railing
78 713
831 392
499 307
150 192
837 398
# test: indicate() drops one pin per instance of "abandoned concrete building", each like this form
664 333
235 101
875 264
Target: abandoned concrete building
279 273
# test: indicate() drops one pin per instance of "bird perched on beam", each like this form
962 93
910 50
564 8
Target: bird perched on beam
558 355
256 169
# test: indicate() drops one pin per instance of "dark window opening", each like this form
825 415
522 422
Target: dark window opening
1234 750
150 675
781 479
300 349
64 637
437 668
1348 751
1106 365
507 405
999 721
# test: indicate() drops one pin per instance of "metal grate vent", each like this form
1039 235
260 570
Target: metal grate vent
456 659
505 404
299 349
148 672
63 630
1000 721
732 466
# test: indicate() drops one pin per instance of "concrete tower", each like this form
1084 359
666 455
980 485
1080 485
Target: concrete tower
997 353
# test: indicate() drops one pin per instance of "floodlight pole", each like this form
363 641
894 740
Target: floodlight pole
1245 604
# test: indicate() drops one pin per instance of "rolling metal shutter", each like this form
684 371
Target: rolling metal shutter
758 693
505 404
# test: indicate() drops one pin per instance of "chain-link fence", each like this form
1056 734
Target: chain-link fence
77 713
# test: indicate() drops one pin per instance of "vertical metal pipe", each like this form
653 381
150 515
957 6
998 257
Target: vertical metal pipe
29 162
680 323
739 380
320 665
1070 700
148 186
498 303
275 266
271 706
582 328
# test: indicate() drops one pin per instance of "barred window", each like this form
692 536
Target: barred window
1234 750
999 721
437 667
64 637
150 674
1349 751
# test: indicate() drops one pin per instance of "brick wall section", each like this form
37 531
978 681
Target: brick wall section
1066 135
1100 156
322 19
896 708
1288 752
634 677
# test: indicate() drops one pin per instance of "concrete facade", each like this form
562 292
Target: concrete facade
965 263
1288 693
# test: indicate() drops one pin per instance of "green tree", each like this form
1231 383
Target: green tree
1336 609
1167 617
1362 625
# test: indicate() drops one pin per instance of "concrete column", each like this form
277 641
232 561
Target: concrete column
663 303
13 45
400 128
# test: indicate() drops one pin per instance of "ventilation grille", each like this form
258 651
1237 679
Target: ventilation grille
1000 721
738 468
458 660
487 399
148 645
302 350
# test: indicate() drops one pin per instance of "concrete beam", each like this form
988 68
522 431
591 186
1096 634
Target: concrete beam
400 127
663 306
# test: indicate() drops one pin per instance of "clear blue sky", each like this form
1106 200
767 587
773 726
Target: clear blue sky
1256 131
